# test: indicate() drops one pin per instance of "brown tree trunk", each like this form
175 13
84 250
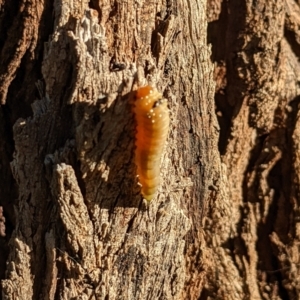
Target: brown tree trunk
255 234
81 229
224 223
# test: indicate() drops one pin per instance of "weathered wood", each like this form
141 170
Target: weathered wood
255 250
82 229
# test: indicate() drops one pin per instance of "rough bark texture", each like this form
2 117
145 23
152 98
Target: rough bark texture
225 222
256 53
81 229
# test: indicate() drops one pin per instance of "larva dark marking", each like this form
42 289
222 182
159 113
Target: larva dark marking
152 119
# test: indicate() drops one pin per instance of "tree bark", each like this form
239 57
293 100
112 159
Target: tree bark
255 241
225 221
81 229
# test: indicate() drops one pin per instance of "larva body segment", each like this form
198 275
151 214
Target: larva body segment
152 119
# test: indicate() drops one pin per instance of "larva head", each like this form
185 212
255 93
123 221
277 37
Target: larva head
143 91
145 98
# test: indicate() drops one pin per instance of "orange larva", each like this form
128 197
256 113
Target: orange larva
152 120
